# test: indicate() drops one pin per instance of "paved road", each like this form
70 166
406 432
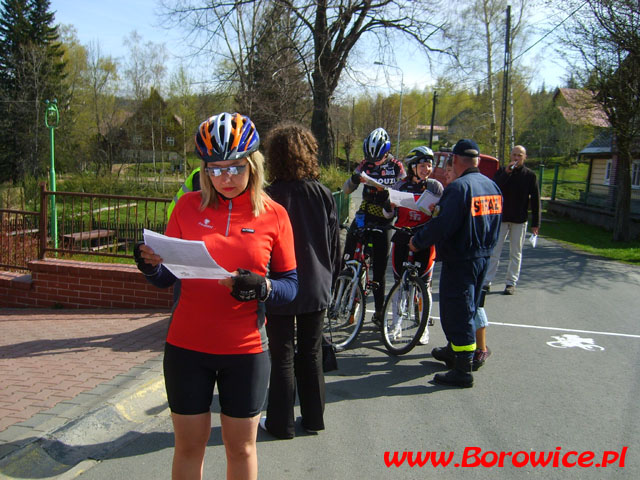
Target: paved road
530 396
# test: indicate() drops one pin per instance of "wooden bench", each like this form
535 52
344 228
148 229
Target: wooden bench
74 240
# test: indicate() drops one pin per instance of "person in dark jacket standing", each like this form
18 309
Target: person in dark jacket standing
519 187
465 230
295 331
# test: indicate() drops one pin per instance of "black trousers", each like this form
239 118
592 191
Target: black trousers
296 360
380 242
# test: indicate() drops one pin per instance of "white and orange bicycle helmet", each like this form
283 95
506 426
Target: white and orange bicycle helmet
226 136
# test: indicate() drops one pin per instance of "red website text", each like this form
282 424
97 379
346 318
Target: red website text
476 457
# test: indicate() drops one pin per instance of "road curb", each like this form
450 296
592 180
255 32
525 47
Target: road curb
72 448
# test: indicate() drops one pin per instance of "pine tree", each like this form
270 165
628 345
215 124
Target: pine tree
31 71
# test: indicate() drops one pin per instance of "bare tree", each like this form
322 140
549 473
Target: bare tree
145 69
101 77
183 101
481 28
329 30
606 34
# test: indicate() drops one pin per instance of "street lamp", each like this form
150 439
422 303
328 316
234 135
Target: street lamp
51 121
400 112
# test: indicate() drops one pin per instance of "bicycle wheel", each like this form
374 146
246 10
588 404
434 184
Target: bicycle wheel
344 317
406 313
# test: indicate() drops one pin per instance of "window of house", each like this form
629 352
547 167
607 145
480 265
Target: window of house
171 141
607 173
635 174
137 140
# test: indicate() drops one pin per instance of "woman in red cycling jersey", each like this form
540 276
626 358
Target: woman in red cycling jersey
419 163
217 332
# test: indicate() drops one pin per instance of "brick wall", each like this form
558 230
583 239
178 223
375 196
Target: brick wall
70 284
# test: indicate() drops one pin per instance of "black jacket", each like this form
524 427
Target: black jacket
314 218
519 189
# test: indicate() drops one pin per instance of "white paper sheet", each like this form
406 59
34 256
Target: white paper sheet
184 258
403 199
371 181
426 199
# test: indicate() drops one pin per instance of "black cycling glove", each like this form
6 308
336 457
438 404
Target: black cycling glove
143 266
355 178
249 286
383 197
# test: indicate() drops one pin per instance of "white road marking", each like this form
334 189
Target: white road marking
629 335
566 330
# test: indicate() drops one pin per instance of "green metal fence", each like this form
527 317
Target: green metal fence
342 203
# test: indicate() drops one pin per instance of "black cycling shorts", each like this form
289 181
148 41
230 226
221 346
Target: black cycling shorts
190 376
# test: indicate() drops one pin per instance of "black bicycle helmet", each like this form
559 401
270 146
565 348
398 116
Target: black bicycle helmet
418 155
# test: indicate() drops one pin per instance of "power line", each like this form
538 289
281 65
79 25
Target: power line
472 81
552 30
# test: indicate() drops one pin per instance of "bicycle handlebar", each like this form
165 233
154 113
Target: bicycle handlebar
410 230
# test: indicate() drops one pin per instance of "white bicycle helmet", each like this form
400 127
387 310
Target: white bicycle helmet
376 145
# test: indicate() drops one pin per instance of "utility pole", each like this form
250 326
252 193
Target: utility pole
51 121
505 88
433 117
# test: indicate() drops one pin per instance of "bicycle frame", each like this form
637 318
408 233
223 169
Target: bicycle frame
351 290
359 268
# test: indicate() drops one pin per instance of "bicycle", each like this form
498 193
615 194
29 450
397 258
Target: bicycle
406 308
345 314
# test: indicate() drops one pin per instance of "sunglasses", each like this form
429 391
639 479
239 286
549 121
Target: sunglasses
231 171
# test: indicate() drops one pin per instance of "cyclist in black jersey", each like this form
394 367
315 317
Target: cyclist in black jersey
375 209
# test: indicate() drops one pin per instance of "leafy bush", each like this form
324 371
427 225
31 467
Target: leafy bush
113 185
333 177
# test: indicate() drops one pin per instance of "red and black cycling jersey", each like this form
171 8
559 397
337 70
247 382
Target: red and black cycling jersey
413 218
387 173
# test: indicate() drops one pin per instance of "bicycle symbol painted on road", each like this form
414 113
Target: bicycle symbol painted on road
570 341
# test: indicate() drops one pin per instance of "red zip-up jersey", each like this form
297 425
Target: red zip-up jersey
207 318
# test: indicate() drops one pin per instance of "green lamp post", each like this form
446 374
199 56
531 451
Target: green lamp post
52 120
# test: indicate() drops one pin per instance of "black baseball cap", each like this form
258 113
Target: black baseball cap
466 148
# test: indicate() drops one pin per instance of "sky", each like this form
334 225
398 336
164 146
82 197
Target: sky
109 21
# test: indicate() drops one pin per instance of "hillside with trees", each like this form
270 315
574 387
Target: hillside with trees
282 60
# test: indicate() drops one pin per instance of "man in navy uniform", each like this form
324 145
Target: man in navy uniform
464 230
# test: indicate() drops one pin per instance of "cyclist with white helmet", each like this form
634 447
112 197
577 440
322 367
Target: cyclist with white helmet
375 209
217 334
419 163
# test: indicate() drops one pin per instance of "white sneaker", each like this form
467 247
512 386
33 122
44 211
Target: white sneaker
397 330
424 339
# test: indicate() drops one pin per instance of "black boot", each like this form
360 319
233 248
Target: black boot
444 354
460 375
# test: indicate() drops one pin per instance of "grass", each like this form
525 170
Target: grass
571 180
590 239
575 235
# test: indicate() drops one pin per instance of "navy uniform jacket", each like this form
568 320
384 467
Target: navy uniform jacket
468 221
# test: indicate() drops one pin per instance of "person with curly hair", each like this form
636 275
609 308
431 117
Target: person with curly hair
295 330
